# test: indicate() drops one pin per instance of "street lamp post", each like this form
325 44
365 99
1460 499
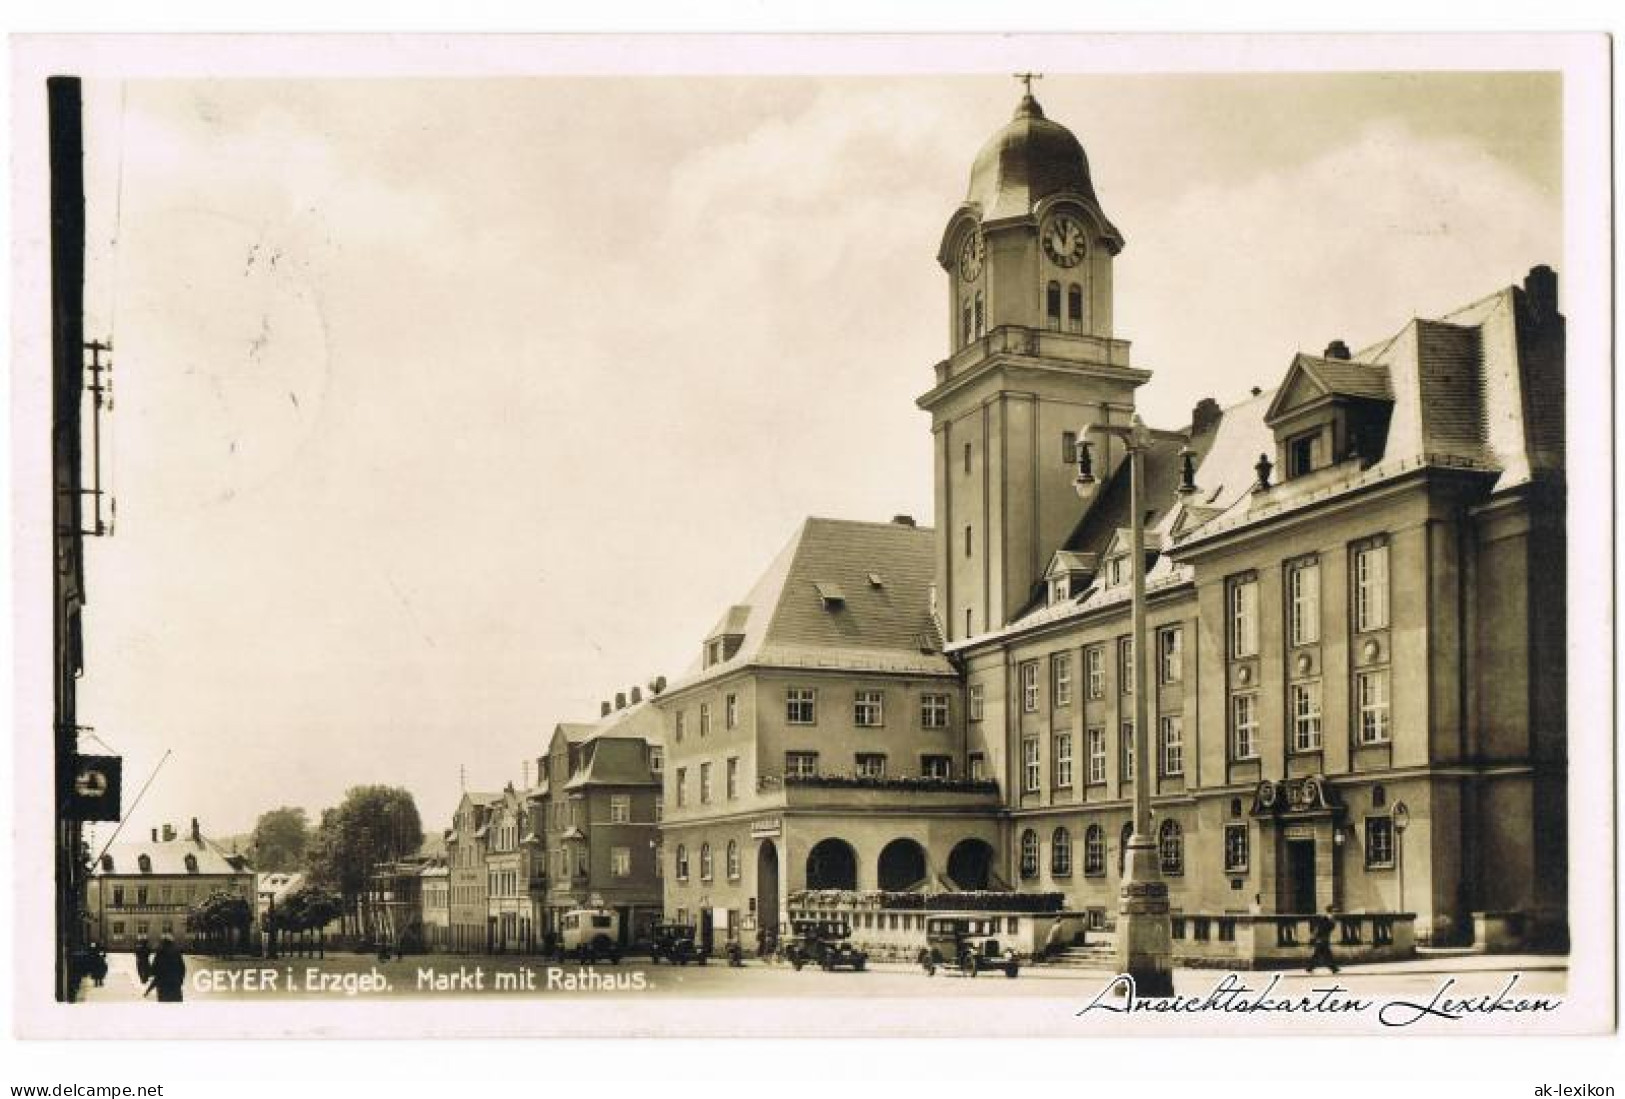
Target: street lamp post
1144 937
1402 818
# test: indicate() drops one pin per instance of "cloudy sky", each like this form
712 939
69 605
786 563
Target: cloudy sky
446 408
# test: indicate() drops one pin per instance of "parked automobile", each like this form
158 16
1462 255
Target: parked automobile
966 943
674 943
823 943
590 935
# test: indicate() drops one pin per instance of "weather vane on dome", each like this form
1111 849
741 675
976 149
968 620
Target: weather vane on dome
1027 81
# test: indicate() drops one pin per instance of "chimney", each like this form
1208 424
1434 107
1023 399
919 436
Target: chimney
155 835
1256 391
1205 415
197 834
1541 287
169 832
1337 349
658 685
903 520
603 709
637 695
620 700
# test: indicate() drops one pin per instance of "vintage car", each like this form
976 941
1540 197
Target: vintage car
966 943
590 935
674 943
823 943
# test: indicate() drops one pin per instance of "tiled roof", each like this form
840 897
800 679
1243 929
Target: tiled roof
1347 378
169 857
577 731
1224 455
731 623
884 626
614 761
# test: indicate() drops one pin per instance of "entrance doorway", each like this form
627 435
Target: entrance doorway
767 886
1300 876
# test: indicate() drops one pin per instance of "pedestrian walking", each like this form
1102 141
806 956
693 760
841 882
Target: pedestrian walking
1320 934
168 971
98 964
143 962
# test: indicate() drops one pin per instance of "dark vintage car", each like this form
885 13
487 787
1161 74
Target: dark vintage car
823 943
674 943
967 944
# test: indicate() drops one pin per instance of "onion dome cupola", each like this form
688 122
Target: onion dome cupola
1030 245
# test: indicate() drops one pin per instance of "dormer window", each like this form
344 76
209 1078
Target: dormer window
1117 571
1068 575
107 864
144 863
1303 454
832 595
191 864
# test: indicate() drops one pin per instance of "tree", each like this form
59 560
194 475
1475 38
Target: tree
373 824
280 839
306 909
221 920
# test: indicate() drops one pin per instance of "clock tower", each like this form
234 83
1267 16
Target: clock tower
1028 258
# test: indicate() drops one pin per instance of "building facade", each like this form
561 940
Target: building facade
435 897
598 802
143 890
1355 607
819 742
468 905
1355 582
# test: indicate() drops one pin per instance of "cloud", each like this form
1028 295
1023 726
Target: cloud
1221 287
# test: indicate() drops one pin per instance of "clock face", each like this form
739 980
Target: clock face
970 258
1063 240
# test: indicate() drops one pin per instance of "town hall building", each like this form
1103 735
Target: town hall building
1356 591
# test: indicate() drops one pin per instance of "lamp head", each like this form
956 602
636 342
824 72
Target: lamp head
1085 482
1187 471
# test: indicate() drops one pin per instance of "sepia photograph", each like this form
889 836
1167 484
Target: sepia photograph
776 537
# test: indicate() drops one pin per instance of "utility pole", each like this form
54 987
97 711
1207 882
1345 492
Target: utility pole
67 549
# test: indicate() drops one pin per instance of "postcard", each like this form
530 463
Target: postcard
778 536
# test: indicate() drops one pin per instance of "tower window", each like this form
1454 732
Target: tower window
967 539
1052 306
1069 447
965 319
967 457
1074 308
980 314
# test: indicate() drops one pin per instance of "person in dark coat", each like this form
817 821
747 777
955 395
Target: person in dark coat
168 971
143 962
1320 934
97 964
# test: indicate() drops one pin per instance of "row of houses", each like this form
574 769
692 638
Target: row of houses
514 861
